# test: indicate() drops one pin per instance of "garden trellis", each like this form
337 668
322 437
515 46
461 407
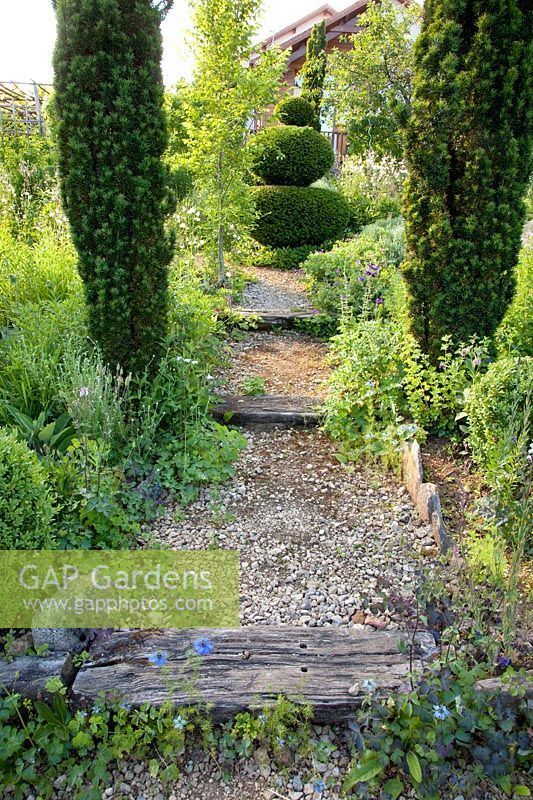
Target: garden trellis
21 107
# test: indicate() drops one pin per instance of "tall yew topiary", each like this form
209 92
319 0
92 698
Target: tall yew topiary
314 69
468 151
111 137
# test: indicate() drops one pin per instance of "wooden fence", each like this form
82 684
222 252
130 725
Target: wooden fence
21 106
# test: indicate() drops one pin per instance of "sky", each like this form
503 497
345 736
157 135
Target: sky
27 34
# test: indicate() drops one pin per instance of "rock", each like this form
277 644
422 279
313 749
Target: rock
358 618
261 757
379 623
412 471
439 532
428 501
61 640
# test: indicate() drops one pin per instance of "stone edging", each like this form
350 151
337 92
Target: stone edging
425 496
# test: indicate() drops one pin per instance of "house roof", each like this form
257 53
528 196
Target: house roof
324 11
336 25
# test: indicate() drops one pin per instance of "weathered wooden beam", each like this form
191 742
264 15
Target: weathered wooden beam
269 411
268 319
247 668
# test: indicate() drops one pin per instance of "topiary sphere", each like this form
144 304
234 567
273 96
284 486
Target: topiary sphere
292 216
290 156
295 111
26 508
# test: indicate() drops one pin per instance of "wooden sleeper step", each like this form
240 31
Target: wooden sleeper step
269 411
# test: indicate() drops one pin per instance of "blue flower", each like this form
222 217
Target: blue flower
361 278
440 712
280 741
319 786
82 714
262 718
96 709
203 646
369 685
159 659
503 661
179 722
125 705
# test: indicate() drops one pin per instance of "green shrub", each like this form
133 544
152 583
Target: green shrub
111 134
290 156
366 405
26 508
390 235
283 257
295 111
349 274
182 181
502 394
468 147
515 334
292 216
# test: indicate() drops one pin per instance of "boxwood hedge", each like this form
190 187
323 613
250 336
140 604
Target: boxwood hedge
290 156
295 111
292 216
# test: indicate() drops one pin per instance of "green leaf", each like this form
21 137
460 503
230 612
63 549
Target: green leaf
414 766
522 791
370 767
394 787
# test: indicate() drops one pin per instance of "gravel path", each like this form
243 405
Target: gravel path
321 543
275 290
289 362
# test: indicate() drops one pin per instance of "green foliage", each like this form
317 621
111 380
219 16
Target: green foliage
224 95
111 138
366 402
27 179
283 257
347 276
443 727
370 84
253 386
468 153
293 216
290 156
182 181
314 69
373 187
515 333
493 401
295 111
26 505
31 355
37 273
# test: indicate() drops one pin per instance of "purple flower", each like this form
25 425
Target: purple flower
476 362
361 278
373 270
203 646
158 659
314 312
84 391
503 661
379 301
